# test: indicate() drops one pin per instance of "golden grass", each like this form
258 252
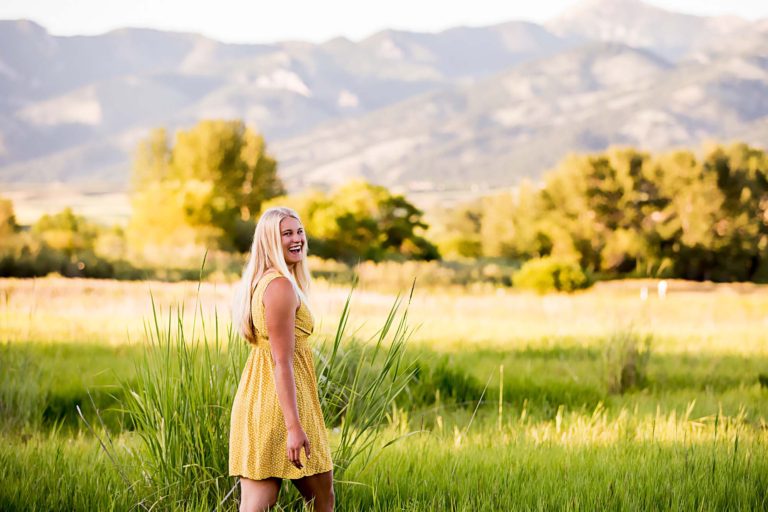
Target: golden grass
717 318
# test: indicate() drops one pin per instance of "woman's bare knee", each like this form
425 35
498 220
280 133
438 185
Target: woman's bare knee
257 504
258 495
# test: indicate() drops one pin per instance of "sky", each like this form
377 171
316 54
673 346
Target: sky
257 21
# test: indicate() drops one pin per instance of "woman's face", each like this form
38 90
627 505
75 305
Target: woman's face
293 240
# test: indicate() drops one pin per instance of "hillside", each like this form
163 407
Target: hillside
464 108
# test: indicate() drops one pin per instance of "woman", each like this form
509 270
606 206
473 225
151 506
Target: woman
277 429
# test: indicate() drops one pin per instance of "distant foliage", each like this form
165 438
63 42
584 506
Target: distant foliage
69 233
361 221
202 191
619 213
626 212
550 274
8 226
62 243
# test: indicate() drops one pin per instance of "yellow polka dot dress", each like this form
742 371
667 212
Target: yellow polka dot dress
257 436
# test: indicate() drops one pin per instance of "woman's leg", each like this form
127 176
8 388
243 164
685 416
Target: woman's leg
318 488
258 495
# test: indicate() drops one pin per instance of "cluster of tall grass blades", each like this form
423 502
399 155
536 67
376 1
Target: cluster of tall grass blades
179 400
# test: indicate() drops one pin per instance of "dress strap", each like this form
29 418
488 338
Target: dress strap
265 280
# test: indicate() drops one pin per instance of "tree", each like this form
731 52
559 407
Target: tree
740 237
456 230
498 229
202 191
623 211
8 226
66 232
360 220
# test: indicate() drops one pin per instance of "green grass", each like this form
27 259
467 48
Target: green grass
653 448
49 471
602 460
692 434
43 382
58 376
492 473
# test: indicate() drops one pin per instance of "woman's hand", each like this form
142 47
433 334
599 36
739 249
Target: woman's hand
297 439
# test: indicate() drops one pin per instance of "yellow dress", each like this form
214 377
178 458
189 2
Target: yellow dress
257 436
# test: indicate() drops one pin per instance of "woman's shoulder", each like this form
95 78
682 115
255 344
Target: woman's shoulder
279 290
261 285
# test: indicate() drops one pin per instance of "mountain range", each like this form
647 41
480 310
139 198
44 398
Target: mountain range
469 108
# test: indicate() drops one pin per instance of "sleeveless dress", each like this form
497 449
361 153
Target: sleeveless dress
257 435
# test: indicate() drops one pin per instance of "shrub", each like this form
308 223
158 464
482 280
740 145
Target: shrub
625 361
550 274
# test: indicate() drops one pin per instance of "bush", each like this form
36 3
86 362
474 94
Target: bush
625 361
550 274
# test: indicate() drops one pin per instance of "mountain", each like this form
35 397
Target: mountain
469 107
68 99
484 133
519 122
674 36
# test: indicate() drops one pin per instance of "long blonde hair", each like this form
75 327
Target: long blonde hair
267 253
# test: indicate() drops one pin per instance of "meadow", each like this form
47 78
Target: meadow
595 400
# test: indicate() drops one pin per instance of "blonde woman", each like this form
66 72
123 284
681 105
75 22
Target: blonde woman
277 429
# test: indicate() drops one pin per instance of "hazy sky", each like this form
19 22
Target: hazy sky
312 20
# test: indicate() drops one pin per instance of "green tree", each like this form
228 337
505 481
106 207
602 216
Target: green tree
740 237
66 232
498 228
8 226
456 230
363 221
204 189
623 211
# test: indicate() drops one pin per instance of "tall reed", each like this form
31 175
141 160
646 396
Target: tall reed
181 395
179 407
625 360
359 382
21 398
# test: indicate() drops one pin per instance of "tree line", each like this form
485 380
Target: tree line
621 212
628 212
203 192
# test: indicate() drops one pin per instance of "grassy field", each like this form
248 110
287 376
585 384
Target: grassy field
517 402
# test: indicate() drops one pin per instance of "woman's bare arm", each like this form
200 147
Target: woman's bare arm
280 305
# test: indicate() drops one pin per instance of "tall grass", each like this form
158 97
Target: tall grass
359 383
50 471
180 398
178 404
625 360
21 399
495 474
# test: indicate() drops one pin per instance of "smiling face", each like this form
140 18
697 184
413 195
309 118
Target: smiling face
293 240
